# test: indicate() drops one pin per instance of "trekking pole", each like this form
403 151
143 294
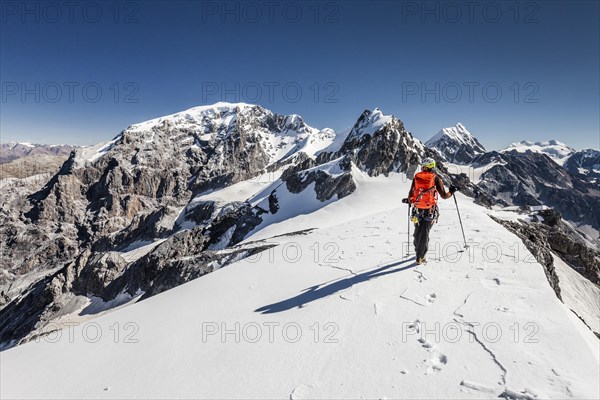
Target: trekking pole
407 227
460 220
408 233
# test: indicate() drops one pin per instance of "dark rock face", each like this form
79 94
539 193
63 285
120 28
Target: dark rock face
330 179
534 179
584 162
569 245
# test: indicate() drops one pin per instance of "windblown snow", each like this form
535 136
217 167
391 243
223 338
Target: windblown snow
335 310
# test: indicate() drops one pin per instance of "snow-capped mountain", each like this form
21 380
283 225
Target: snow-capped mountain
14 150
585 162
556 150
284 223
456 145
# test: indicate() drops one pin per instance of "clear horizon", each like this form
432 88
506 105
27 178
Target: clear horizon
508 71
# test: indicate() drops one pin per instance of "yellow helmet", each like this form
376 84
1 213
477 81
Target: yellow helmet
428 163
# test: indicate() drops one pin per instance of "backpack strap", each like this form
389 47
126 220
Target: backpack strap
423 192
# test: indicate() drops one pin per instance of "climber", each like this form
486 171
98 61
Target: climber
423 198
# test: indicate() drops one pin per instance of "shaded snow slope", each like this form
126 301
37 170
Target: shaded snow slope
338 312
579 294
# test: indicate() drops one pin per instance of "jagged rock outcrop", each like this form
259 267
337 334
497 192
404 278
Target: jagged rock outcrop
330 179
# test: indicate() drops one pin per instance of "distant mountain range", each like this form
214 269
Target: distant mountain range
13 150
457 145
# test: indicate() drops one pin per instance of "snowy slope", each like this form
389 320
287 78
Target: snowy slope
556 150
579 294
338 312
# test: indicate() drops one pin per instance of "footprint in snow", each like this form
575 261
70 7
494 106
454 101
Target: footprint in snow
414 327
436 362
503 309
425 343
431 297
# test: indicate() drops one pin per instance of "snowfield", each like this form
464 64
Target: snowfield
339 311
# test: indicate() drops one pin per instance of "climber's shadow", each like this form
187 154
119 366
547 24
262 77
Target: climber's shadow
319 291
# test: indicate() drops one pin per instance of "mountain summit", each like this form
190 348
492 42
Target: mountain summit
456 144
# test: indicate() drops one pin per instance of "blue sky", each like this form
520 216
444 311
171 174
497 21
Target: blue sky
81 73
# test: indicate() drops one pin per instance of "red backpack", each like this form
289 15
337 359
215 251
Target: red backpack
424 194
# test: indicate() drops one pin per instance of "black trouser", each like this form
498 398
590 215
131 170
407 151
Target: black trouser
421 234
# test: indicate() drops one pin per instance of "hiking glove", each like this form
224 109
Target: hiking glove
453 189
